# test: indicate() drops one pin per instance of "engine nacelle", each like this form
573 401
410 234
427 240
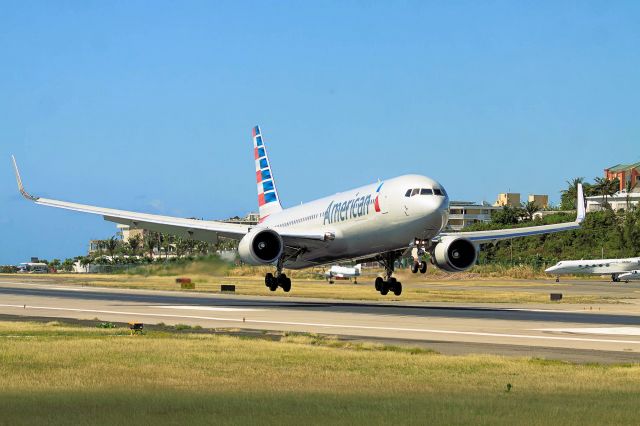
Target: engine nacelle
261 247
455 254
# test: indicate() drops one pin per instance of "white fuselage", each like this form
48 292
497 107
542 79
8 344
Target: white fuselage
365 221
338 271
630 276
596 267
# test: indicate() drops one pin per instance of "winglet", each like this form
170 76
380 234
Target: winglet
580 205
24 193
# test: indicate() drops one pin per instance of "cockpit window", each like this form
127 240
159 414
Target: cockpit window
437 191
426 191
408 193
415 192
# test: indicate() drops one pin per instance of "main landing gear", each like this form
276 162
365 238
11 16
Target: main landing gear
614 278
279 280
388 260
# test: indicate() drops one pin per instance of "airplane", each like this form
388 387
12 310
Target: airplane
613 267
380 222
343 273
629 276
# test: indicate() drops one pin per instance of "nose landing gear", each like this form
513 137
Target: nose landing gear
418 265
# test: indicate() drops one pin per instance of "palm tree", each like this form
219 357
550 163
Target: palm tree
606 188
150 243
569 195
111 245
134 242
628 188
529 209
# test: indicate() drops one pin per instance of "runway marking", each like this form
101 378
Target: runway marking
207 308
618 331
344 326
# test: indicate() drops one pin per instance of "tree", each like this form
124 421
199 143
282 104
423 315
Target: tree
150 243
628 188
134 243
606 188
67 265
506 216
529 209
568 196
112 245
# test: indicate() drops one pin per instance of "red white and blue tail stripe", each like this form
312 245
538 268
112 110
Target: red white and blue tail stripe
268 199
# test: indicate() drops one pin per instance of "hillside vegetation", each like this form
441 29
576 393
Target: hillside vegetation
608 233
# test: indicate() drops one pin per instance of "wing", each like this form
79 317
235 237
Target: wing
480 237
203 230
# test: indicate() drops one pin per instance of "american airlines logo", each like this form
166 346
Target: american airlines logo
345 210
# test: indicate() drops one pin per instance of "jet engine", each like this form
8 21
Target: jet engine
455 254
261 247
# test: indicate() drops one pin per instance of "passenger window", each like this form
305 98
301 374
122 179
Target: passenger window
426 191
415 192
408 193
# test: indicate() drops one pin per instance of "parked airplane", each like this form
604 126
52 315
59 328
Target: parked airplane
613 267
629 276
378 222
337 272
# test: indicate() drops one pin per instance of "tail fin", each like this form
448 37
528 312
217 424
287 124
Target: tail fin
268 199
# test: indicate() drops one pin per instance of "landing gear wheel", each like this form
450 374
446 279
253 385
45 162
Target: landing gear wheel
379 283
397 289
271 282
415 267
284 282
385 289
423 267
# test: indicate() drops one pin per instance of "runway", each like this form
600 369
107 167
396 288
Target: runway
608 333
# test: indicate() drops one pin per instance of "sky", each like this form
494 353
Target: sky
148 105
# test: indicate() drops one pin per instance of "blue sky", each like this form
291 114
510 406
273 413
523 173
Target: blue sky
148 106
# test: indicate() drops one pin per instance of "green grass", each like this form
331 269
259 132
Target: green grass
415 288
59 374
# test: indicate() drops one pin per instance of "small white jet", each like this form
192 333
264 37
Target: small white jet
381 222
613 267
629 276
337 272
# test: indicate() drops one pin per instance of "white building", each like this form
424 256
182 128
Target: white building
465 213
618 201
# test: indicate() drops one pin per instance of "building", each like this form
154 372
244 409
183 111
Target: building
511 199
465 213
250 219
625 173
125 232
541 201
618 201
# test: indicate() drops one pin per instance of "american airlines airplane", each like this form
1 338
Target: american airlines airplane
613 267
381 222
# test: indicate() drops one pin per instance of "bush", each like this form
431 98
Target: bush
8 269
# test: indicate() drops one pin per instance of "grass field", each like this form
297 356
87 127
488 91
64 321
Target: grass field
61 374
474 291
